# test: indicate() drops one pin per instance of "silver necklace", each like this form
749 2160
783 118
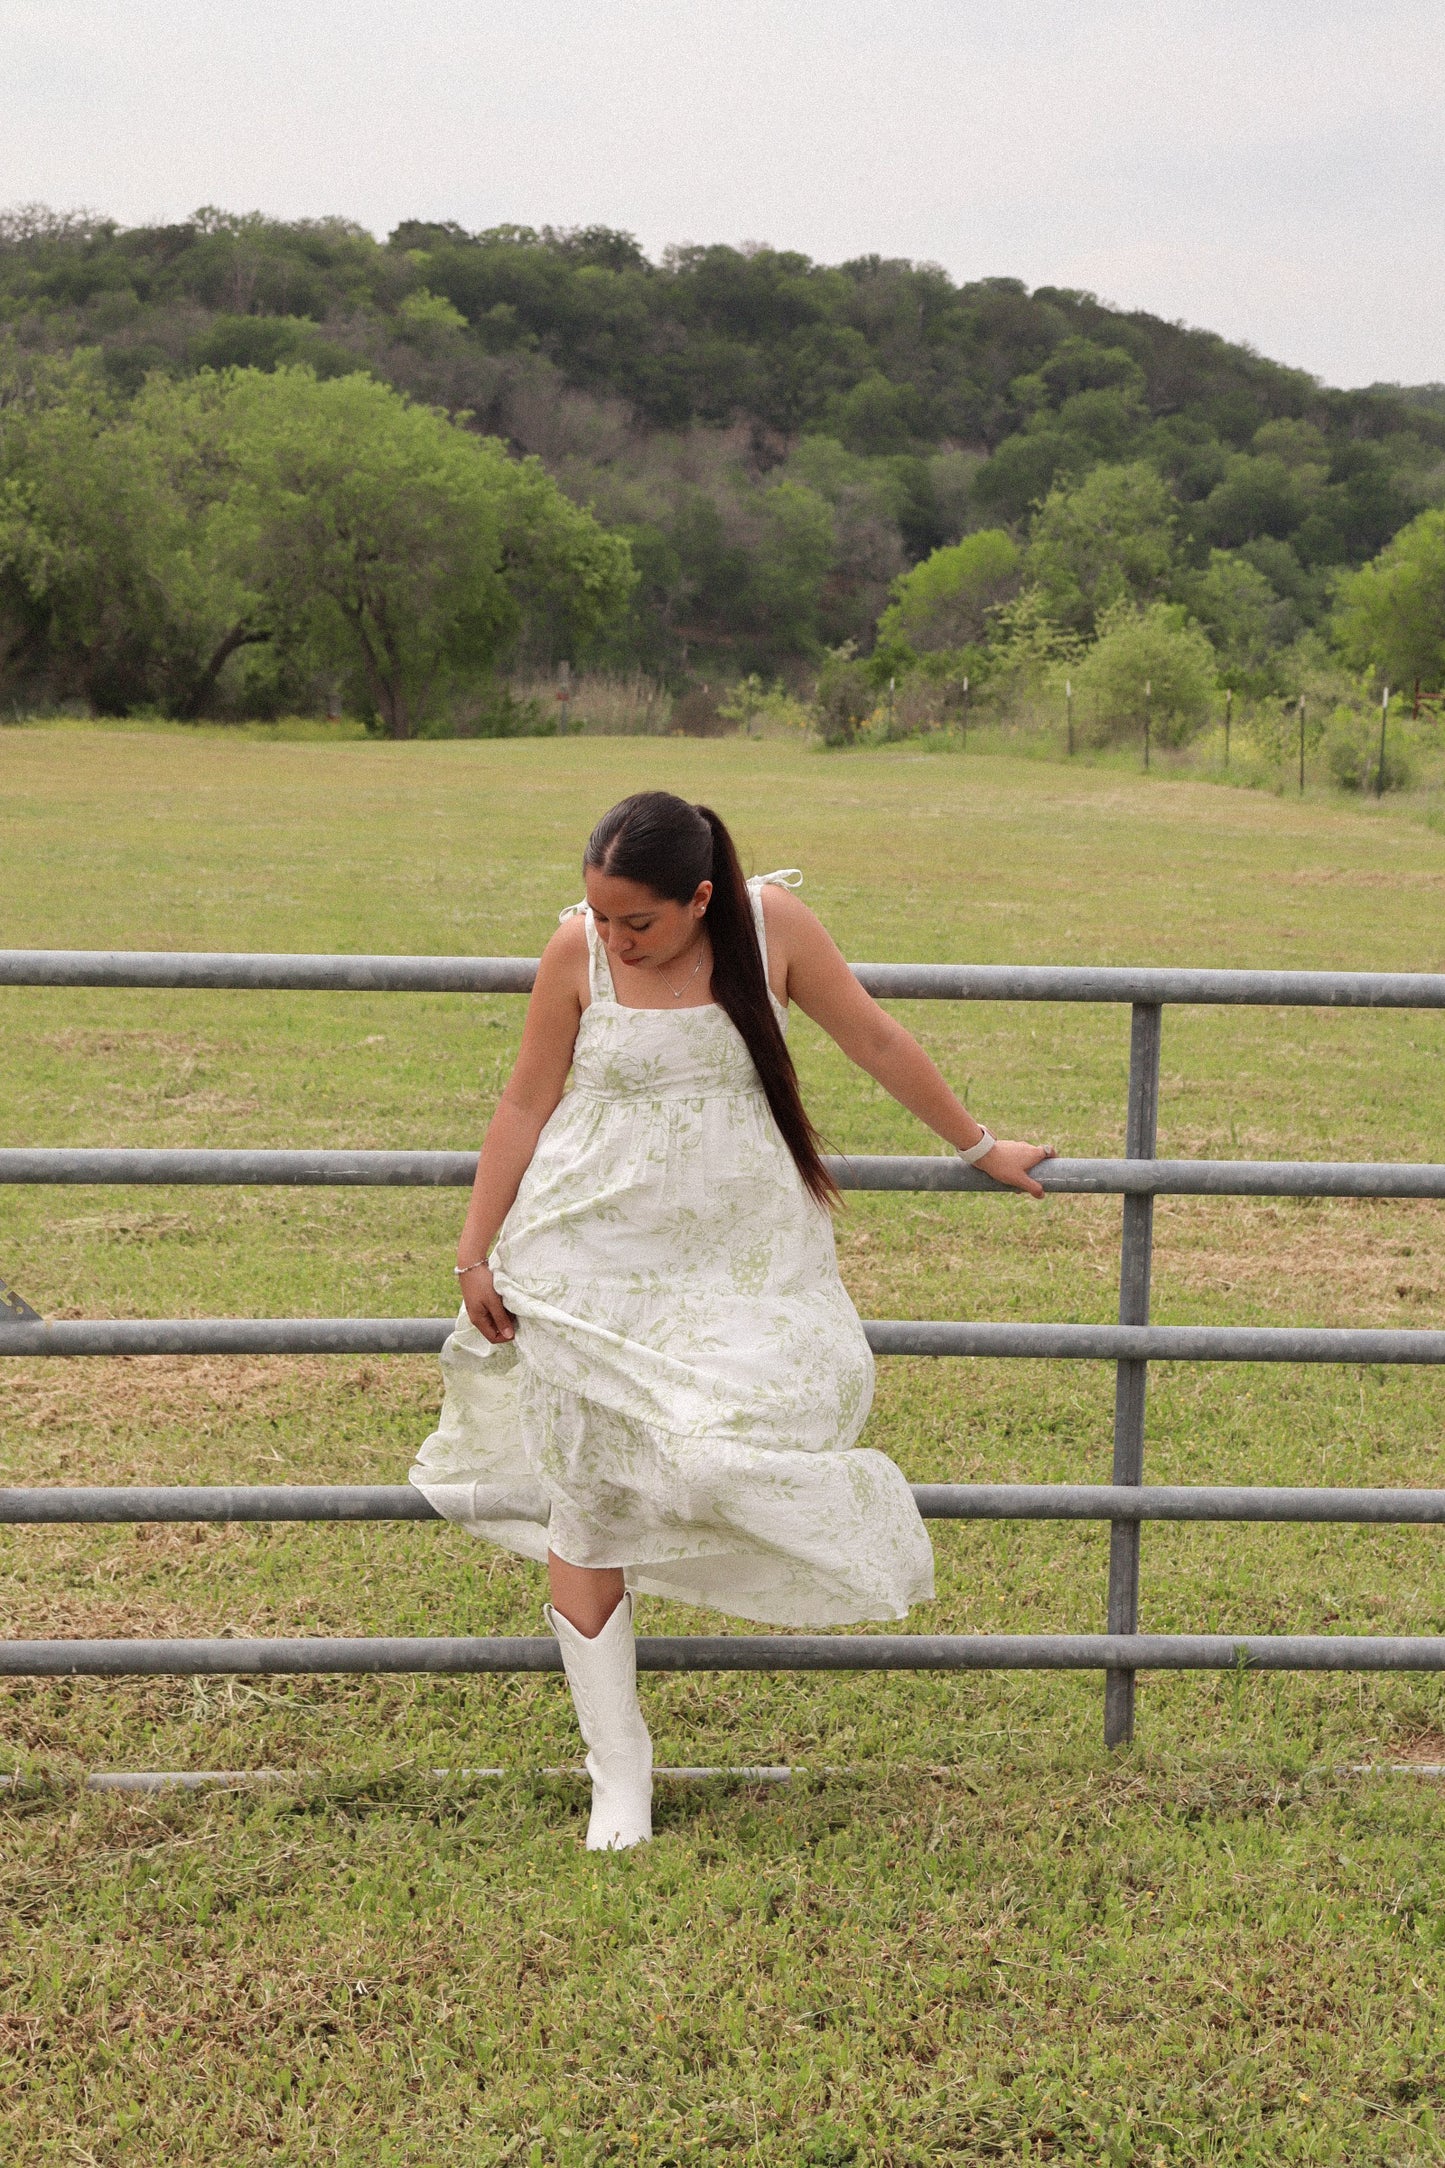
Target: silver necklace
677 992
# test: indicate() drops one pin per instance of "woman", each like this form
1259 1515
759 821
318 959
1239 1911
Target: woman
660 1378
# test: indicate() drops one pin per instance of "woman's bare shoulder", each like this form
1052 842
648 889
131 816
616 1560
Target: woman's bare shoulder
568 946
798 942
781 907
786 916
564 959
570 939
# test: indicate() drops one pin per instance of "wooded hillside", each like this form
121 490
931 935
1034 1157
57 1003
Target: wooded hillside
776 439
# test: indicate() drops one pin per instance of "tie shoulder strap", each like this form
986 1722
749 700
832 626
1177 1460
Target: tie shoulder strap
599 977
787 877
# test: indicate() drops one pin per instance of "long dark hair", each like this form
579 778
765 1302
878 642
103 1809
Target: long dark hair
669 846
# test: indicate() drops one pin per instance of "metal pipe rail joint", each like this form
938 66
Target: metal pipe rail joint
1131 1344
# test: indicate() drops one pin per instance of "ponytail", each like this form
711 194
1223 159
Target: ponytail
669 846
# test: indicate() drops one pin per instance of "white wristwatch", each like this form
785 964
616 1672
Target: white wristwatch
978 1151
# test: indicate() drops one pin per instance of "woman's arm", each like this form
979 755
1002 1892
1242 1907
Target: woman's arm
528 1100
818 979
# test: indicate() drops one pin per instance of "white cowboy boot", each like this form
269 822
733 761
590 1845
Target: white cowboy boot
602 1674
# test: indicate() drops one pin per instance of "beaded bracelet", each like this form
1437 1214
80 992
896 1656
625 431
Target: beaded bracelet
461 1271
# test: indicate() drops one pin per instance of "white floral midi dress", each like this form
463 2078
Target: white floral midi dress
688 1377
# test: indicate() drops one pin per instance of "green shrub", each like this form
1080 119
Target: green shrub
1104 542
947 602
1352 752
845 697
1155 658
1390 615
497 713
765 711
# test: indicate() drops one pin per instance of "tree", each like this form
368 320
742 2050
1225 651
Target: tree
178 438
873 417
143 546
1081 365
110 540
1390 615
567 579
1110 539
1156 648
646 385
1245 619
398 546
946 602
1024 469
791 563
1258 496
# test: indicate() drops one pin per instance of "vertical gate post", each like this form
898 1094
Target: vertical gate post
1132 1378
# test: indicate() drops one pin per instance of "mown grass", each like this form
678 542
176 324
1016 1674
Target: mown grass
966 1934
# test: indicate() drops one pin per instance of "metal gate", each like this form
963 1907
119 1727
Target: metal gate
1131 1345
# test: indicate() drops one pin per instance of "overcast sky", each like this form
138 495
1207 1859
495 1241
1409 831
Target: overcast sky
1269 168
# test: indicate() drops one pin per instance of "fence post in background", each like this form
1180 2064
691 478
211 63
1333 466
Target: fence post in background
1132 1378
1384 718
564 698
1228 717
1301 745
964 737
1069 712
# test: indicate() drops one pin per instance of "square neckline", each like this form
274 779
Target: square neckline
632 1008
599 961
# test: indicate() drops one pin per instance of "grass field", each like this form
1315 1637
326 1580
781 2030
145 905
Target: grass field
967 1934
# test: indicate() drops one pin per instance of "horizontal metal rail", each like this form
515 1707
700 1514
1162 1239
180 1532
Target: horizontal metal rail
1125 1503
1158 1343
106 1505
740 1652
199 1780
886 1336
1173 1502
261 973
140 1167
899 982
